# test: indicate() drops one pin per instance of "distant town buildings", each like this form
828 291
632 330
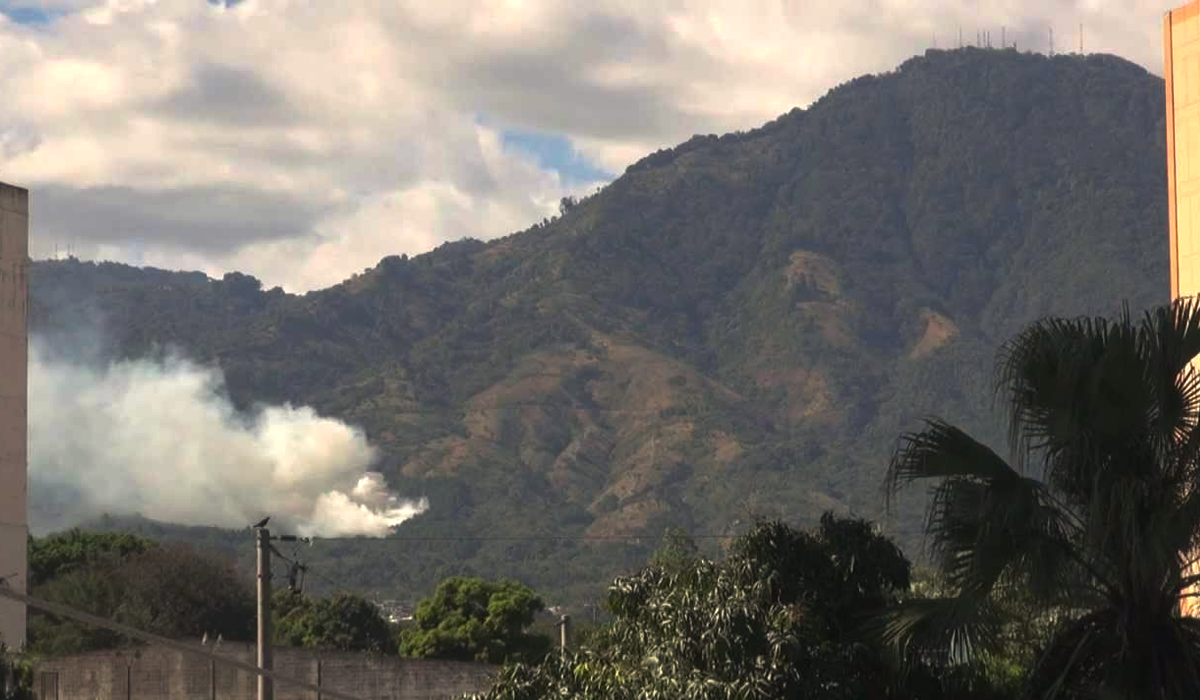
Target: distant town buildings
395 611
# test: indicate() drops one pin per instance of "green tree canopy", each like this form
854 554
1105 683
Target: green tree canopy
474 619
346 622
1094 525
53 555
171 590
775 619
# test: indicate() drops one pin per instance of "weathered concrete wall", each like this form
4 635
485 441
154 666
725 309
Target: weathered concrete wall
14 288
166 674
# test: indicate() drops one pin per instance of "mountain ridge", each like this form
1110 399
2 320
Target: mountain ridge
738 325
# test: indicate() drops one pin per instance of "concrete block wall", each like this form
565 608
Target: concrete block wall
151 673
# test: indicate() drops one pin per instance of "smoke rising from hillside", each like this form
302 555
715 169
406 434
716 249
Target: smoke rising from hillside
161 439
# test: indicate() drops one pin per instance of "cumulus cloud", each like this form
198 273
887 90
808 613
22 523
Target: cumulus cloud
341 133
159 438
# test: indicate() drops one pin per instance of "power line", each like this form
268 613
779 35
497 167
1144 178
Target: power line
295 570
519 538
342 586
338 585
306 570
103 623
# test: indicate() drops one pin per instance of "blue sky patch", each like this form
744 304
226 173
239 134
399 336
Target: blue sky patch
554 152
28 14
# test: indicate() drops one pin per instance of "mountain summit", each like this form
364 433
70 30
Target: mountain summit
741 325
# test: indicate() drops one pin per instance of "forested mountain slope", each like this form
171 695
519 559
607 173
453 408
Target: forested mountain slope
742 324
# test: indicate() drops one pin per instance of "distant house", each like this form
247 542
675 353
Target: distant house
395 610
158 673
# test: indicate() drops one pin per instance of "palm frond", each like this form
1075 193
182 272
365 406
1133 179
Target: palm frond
938 631
986 522
1041 374
941 451
1080 392
1171 336
1102 655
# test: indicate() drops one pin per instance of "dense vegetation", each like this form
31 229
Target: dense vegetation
344 621
169 589
1095 525
476 620
738 326
1065 575
786 615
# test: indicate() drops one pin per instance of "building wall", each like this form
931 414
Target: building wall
14 258
1181 69
165 674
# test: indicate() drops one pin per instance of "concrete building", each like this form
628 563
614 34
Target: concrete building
14 289
1181 71
154 673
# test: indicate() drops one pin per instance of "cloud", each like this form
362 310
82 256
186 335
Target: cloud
341 133
159 438
202 220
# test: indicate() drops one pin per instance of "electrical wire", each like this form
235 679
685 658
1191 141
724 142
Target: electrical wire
339 587
516 538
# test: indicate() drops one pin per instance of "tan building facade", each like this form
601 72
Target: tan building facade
14 287
1181 71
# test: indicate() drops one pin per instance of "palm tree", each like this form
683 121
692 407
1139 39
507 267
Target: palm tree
1095 522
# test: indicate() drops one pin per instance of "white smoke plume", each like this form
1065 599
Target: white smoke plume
159 438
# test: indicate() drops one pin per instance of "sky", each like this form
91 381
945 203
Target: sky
300 141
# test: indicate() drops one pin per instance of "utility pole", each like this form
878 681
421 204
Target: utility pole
262 540
565 632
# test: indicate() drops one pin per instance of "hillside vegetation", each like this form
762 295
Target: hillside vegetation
740 325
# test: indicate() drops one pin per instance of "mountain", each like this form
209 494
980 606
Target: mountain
739 325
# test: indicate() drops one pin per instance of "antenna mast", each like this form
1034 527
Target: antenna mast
1051 41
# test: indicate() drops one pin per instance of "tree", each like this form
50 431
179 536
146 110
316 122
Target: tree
474 619
18 672
776 619
54 555
345 622
170 590
678 550
1095 522
176 591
